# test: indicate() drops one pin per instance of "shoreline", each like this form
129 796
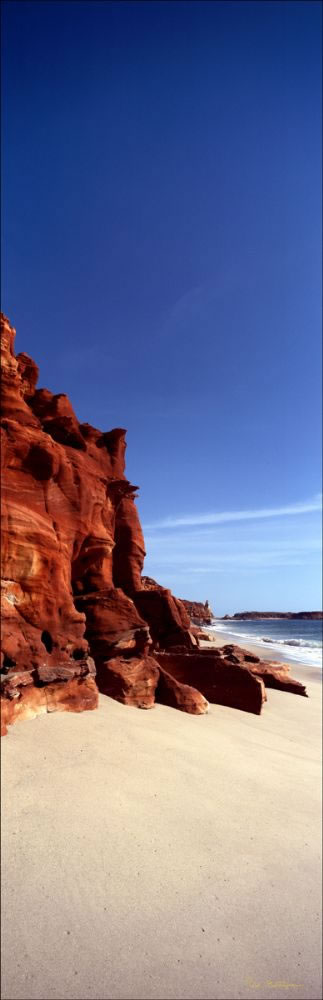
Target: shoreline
300 669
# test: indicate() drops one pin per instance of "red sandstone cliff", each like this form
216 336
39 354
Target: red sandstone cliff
200 614
74 604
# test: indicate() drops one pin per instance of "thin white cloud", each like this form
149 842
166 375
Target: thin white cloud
240 560
222 517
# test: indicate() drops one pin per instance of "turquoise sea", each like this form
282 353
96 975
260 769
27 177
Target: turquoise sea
294 639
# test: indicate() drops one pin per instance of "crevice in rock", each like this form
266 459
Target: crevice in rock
8 662
47 640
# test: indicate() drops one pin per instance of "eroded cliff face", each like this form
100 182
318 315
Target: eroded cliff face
72 556
76 613
199 614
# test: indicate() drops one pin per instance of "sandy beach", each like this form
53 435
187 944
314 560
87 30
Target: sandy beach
160 855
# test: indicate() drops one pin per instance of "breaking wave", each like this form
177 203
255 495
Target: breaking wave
304 649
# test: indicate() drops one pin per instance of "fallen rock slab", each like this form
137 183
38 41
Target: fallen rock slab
171 692
132 680
217 679
273 673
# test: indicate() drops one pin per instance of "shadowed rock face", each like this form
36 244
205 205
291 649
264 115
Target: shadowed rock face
74 603
229 675
179 695
217 679
274 675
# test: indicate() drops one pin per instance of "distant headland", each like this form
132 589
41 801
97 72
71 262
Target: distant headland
250 615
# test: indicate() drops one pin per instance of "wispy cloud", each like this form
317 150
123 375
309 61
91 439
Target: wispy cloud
222 517
191 306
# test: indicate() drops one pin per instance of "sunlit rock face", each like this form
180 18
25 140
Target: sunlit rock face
71 538
72 558
199 614
76 612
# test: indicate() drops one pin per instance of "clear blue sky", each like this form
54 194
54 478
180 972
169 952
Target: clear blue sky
162 225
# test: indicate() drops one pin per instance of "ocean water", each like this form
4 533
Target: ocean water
295 639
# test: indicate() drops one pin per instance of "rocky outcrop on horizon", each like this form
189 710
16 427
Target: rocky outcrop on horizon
246 615
77 615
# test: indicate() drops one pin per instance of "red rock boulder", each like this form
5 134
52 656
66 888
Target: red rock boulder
131 680
218 680
178 695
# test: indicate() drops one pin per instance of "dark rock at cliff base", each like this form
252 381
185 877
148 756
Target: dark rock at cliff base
179 695
273 673
219 679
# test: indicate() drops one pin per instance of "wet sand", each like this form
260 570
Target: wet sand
159 855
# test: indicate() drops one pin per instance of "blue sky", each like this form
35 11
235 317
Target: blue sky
161 216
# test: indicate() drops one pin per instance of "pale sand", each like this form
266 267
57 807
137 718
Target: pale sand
160 855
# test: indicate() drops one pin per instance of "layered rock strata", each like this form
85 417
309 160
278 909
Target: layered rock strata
77 615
